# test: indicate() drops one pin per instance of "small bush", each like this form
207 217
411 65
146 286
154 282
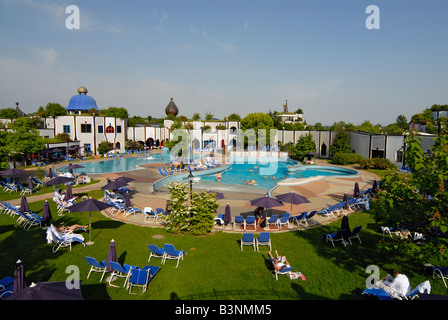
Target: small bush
377 163
346 158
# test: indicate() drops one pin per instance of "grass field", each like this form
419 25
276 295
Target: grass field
214 267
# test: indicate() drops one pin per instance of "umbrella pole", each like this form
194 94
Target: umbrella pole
90 229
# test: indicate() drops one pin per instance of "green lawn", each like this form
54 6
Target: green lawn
214 267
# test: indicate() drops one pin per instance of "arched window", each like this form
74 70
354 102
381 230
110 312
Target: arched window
118 145
110 129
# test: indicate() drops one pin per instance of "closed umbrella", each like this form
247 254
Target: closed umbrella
345 226
127 200
46 213
50 173
345 199
89 205
111 255
24 204
375 186
227 215
167 208
50 291
356 190
19 277
292 198
68 193
30 183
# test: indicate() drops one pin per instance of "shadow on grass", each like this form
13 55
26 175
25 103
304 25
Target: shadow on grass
95 292
248 294
352 257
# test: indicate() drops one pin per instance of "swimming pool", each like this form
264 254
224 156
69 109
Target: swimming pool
266 172
121 164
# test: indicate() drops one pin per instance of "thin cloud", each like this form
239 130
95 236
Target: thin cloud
225 46
161 25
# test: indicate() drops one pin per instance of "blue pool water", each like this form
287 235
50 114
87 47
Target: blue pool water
121 164
266 172
262 170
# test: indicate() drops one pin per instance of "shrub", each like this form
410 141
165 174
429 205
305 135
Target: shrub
376 163
346 158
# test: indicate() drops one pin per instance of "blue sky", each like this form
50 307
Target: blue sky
232 56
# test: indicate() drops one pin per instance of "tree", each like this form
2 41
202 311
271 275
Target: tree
402 122
104 147
208 115
369 127
196 116
419 200
341 143
304 145
393 130
53 109
24 138
3 151
257 121
116 112
177 220
8 113
202 208
234 117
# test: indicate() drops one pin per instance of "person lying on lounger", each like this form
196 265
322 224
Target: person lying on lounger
64 229
280 262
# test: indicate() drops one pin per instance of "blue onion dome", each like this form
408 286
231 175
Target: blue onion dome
81 102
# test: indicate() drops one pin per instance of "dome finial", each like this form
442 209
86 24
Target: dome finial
82 90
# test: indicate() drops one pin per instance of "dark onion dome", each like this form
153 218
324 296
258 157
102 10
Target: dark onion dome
171 108
81 102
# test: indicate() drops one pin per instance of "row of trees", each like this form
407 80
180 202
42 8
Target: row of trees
418 201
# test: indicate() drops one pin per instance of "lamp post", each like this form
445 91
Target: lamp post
190 179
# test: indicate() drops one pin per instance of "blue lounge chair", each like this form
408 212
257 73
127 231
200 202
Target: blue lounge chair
248 239
285 270
160 172
166 172
272 220
38 182
63 240
239 220
149 213
250 221
441 272
160 214
6 282
155 251
264 239
9 188
96 266
339 236
119 271
141 277
284 220
219 220
355 234
173 254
